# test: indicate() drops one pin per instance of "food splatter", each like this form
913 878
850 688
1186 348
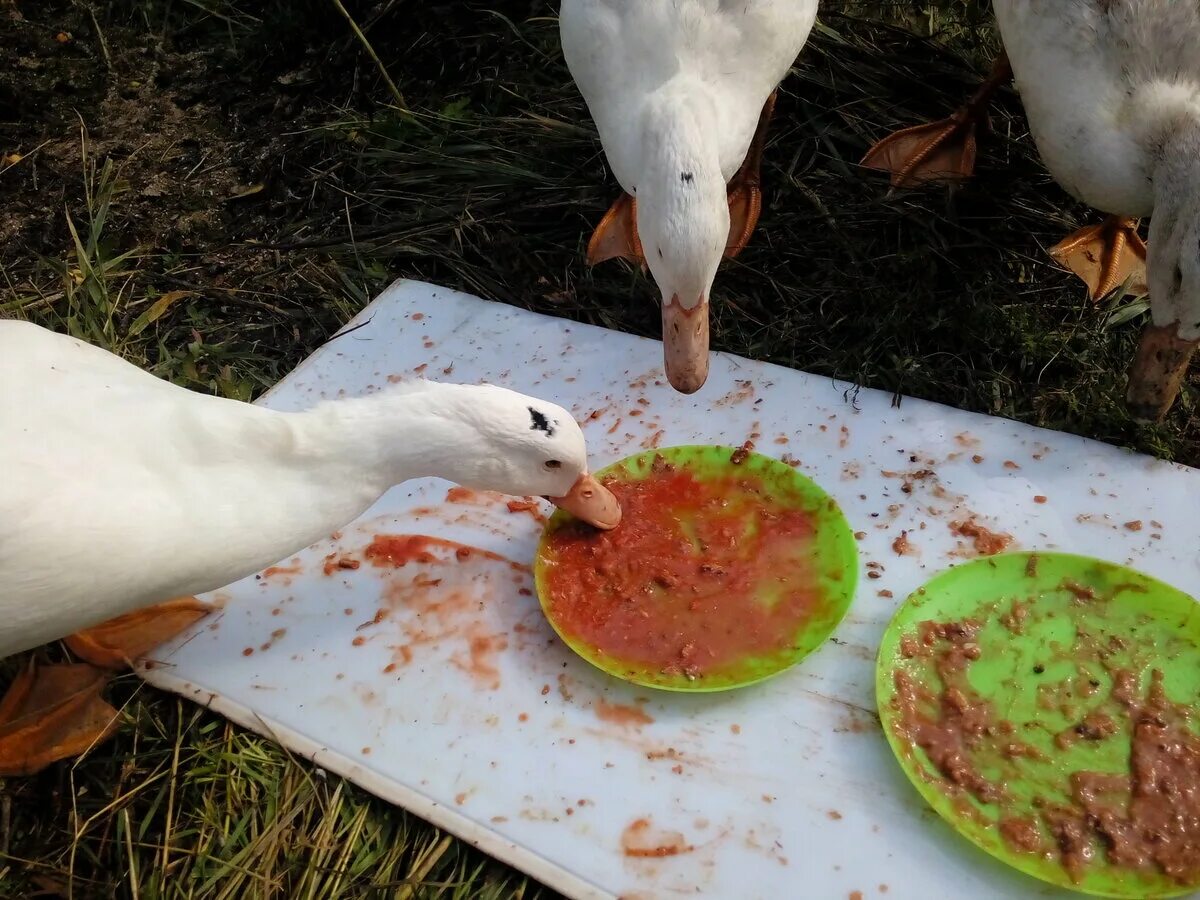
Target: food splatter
642 840
984 541
622 714
429 610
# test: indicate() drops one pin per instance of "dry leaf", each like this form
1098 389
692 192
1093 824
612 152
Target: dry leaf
249 191
52 713
49 886
156 311
115 644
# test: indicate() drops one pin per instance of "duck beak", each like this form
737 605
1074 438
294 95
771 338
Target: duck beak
685 344
1157 372
591 501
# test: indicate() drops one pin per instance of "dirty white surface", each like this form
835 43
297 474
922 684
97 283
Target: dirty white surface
439 686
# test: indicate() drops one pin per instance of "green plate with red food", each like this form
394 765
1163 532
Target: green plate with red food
728 567
1044 704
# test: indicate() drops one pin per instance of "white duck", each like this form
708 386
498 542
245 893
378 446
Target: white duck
1112 92
676 88
121 490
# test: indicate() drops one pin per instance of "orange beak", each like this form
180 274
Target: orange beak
685 344
591 501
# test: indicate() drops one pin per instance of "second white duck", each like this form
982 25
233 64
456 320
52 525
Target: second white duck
682 92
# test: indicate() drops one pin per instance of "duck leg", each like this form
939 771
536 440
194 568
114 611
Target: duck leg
55 712
1105 256
745 188
939 151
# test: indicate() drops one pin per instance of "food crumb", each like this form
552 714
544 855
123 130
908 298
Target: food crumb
460 799
856 895
834 815
248 651
985 541
523 717
885 593
1135 525
901 545
735 729
1040 498
366 751
741 453
1009 464
545 689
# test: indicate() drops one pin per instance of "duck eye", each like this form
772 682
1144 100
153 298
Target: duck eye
553 464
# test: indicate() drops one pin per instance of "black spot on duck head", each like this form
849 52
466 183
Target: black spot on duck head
686 177
540 422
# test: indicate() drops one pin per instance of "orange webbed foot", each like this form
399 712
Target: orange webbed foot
616 237
1105 256
939 151
52 713
115 644
744 192
56 712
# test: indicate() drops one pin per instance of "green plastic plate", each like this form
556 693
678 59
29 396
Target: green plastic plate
1158 627
830 554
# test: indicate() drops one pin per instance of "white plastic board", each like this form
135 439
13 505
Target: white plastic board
458 703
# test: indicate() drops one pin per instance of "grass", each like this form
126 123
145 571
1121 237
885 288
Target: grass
212 187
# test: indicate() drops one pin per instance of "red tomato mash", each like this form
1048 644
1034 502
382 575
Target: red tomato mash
699 576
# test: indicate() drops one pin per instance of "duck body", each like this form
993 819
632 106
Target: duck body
715 61
681 92
1101 81
121 490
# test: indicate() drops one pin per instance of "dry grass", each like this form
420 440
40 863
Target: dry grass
212 187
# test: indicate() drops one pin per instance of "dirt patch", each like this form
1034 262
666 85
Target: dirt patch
66 110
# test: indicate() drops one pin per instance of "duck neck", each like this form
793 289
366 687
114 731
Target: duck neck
1173 250
1167 120
401 433
681 141
683 213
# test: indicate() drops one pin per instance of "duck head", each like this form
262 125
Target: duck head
683 226
494 439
